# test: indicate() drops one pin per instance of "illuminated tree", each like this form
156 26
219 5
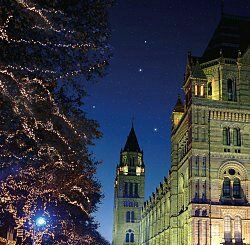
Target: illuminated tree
48 49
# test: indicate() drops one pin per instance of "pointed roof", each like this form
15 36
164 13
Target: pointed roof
132 142
232 34
197 72
179 107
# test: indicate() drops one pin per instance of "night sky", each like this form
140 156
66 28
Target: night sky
150 40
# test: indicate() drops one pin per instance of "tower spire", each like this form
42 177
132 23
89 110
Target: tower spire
132 142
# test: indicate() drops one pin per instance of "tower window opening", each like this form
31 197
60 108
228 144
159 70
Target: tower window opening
196 89
125 189
128 216
231 90
136 190
131 189
209 89
132 217
202 90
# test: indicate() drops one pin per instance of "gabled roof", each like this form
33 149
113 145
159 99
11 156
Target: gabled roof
197 72
231 35
132 142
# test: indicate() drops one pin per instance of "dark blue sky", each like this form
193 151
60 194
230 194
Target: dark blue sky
150 40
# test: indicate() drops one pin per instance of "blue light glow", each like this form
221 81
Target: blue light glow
40 221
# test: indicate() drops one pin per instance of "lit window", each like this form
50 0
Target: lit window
196 89
202 90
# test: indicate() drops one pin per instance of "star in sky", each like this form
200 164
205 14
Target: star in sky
93 106
155 130
140 70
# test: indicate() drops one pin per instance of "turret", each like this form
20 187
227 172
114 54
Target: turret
177 112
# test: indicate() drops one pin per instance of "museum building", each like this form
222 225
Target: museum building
204 200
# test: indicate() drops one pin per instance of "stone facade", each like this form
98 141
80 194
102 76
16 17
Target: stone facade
205 198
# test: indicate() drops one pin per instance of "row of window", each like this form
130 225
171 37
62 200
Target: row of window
130 189
231 190
228 229
231 136
199 90
132 160
130 216
130 204
198 167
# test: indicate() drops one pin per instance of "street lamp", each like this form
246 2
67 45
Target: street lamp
40 221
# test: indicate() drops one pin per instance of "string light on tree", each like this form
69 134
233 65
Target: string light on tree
44 141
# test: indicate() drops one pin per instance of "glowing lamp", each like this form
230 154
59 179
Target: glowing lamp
40 221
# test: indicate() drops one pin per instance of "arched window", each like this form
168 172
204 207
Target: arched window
132 216
236 188
226 136
228 229
231 91
128 216
237 137
130 237
209 88
127 237
226 187
237 229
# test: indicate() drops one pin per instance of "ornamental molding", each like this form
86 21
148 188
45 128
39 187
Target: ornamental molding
232 212
239 167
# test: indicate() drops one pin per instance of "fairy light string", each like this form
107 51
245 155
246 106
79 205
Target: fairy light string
43 147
